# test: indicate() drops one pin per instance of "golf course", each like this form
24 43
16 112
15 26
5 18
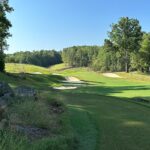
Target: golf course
74 75
103 113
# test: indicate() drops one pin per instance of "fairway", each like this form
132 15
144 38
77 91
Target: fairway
102 111
76 75
104 115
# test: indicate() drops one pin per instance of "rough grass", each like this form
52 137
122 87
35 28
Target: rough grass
58 67
27 112
103 114
12 141
26 68
31 113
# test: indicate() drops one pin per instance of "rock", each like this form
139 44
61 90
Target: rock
6 95
31 132
3 124
25 91
5 90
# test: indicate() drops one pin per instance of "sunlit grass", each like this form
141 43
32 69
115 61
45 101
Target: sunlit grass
26 68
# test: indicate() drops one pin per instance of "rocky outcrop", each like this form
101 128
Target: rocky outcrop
5 90
31 132
6 94
24 91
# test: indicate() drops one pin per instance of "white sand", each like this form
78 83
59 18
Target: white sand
56 74
64 88
36 73
73 80
69 80
111 75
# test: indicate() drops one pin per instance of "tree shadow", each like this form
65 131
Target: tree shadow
38 81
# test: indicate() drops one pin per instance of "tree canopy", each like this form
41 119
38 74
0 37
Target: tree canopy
5 24
44 58
126 49
126 35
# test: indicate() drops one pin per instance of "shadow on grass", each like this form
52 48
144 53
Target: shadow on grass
109 120
38 81
108 90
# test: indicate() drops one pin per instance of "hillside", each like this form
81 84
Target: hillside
101 113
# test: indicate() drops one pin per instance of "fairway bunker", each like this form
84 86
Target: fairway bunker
69 80
111 75
65 88
72 79
36 73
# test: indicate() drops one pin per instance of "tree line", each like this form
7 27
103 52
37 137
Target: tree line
126 49
5 24
80 56
44 58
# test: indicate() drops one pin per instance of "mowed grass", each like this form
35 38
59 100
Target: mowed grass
129 85
57 67
104 114
108 123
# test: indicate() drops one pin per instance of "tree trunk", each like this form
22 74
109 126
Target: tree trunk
126 61
2 59
126 67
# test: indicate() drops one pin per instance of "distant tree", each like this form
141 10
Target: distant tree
5 24
80 56
44 58
141 60
126 35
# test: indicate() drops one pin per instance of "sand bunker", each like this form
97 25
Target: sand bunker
56 74
111 75
64 88
69 80
73 80
36 73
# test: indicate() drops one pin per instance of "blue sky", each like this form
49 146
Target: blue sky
55 24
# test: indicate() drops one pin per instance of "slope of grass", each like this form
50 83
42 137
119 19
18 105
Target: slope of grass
27 112
26 68
124 87
117 122
102 114
59 67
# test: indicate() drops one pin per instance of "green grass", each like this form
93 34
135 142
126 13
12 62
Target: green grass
57 67
27 112
44 81
102 114
32 113
116 121
125 87
116 124
17 68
